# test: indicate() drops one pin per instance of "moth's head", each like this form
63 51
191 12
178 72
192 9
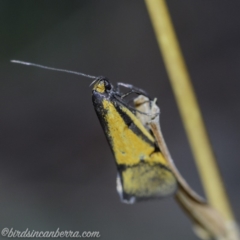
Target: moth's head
102 85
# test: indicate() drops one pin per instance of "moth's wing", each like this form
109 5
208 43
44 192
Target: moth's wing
145 181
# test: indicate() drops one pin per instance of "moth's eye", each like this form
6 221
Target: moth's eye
107 85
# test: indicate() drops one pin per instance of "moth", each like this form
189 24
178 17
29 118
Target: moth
143 172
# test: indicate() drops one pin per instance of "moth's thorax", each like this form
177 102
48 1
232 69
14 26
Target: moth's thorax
102 85
102 90
99 87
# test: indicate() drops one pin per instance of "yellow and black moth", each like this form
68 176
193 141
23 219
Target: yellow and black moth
142 170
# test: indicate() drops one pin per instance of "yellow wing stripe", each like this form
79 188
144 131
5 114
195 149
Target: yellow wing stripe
128 148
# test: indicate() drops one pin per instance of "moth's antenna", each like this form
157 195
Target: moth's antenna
51 68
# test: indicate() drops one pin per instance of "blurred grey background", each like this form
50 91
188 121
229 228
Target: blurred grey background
56 168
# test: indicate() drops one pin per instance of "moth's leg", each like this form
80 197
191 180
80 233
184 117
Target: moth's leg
133 89
126 104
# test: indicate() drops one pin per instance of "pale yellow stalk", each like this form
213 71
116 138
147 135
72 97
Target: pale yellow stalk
189 108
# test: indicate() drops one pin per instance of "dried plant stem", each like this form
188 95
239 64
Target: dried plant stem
188 106
189 109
